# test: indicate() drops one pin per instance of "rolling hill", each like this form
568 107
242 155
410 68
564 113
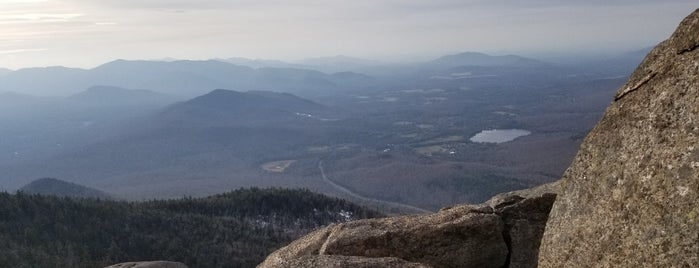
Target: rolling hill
56 187
228 107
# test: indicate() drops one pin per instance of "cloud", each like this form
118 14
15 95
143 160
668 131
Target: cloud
38 17
15 51
88 32
178 4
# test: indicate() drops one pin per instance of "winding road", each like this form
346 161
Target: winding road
364 198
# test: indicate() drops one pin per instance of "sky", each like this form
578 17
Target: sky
86 33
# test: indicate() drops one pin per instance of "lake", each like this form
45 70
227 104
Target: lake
499 135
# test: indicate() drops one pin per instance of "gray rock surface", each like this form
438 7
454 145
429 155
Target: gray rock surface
525 222
496 234
549 188
149 264
631 196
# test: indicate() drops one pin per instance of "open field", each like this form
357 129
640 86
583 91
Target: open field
277 166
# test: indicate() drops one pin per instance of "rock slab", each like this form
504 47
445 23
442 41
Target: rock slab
631 196
501 233
337 261
149 264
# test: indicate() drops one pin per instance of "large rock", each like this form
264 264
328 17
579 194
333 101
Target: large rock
630 197
496 234
525 222
149 264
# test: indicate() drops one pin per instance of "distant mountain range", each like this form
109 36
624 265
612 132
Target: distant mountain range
262 63
480 59
183 78
192 78
56 187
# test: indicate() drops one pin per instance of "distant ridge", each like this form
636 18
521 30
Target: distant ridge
56 187
481 59
186 78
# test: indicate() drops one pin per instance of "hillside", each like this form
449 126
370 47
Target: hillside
235 229
116 96
56 187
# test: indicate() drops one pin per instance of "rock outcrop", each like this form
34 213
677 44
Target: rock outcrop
149 264
329 261
495 234
631 196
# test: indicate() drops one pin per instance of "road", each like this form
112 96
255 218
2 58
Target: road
364 198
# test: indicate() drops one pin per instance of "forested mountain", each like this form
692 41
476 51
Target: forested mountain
235 229
56 187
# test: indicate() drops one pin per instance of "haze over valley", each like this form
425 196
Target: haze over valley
399 137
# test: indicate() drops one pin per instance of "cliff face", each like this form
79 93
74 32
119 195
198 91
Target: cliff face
631 196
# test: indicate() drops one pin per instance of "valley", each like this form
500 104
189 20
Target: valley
399 140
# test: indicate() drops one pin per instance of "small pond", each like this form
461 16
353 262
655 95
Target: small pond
499 135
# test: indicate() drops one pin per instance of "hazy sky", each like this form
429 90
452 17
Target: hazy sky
85 33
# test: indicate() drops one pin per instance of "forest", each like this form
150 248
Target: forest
234 229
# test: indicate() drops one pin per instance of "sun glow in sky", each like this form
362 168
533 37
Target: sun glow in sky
85 33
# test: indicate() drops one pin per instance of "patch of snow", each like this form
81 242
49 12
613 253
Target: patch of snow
346 215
